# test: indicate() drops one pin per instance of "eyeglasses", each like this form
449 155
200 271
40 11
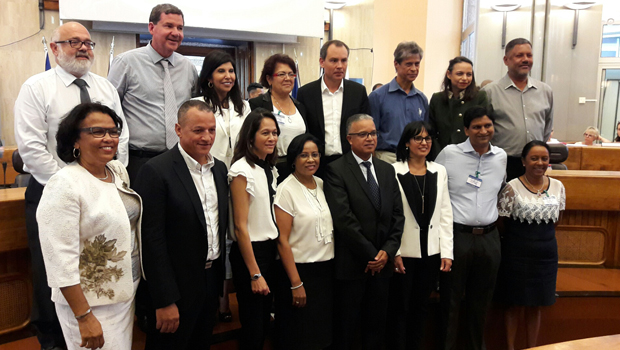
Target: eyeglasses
585 134
364 134
99 132
305 156
283 75
76 44
419 139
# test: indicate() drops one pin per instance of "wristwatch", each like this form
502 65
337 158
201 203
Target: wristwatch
256 277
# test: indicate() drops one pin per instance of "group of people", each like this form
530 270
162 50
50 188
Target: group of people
330 207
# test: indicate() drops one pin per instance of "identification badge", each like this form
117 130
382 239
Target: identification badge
550 200
474 181
280 118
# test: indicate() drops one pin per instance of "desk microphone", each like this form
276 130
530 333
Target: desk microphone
4 164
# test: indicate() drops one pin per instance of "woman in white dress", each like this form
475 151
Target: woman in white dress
89 226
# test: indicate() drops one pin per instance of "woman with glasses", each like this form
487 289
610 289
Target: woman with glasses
89 227
447 107
426 244
306 277
279 75
253 252
590 136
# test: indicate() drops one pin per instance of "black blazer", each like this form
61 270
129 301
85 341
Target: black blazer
174 231
264 101
360 231
354 101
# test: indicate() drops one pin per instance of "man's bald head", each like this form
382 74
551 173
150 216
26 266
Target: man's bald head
76 61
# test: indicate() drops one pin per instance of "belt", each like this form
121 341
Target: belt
281 159
475 230
144 154
209 264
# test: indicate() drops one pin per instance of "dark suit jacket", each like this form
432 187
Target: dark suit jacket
360 231
354 101
264 101
174 230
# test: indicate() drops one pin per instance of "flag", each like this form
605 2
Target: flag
48 66
111 54
296 85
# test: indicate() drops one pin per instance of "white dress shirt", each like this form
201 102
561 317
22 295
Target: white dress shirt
43 101
205 186
363 167
290 127
332 114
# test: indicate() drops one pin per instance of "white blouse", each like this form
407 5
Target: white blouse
261 220
313 229
290 126
518 202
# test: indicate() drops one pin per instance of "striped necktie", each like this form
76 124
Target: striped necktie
170 107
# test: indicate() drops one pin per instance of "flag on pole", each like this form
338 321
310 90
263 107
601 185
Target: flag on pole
296 85
111 54
48 66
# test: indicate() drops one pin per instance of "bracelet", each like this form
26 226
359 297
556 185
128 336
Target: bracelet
83 315
299 286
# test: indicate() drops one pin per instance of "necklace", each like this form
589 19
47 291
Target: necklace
105 171
532 186
280 108
421 189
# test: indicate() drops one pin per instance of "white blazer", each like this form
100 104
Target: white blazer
86 236
221 146
440 229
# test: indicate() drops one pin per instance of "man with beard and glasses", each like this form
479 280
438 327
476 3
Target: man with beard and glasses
43 101
522 105
153 82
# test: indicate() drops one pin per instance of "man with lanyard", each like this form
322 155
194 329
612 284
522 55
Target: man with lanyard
152 82
476 173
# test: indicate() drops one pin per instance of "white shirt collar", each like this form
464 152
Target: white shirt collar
192 164
68 78
324 86
360 160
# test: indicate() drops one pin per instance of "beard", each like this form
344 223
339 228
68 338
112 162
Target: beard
74 66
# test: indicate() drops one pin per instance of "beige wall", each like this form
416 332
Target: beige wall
23 59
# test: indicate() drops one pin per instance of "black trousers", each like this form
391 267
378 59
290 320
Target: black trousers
196 320
43 315
408 303
365 301
136 160
514 168
474 272
254 309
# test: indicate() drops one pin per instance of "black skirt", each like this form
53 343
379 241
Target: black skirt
309 327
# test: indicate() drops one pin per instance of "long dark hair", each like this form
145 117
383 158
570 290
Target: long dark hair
412 130
211 62
471 91
617 139
247 134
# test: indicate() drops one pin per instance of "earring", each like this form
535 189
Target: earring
293 166
210 84
76 150
407 148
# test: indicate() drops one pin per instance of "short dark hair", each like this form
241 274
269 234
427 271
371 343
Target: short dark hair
532 144
69 128
296 147
165 9
376 86
476 112
411 130
356 118
471 91
407 49
337 43
189 104
254 86
248 133
212 61
617 139
270 67
514 42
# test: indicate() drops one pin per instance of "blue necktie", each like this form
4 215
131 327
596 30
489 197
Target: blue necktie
375 196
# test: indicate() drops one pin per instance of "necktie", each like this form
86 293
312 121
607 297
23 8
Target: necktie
84 96
375 196
170 108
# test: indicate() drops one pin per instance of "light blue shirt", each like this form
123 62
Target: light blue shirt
392 109
471 205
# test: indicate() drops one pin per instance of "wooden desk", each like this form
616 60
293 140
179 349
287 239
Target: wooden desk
593 158
12 216
7 156
588 282
607 342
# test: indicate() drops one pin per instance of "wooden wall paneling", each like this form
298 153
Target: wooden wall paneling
573 162
582 245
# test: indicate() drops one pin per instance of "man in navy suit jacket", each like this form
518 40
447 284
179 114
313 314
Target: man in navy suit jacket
185 200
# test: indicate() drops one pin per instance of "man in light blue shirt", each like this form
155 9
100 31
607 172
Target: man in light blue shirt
476 173
398 103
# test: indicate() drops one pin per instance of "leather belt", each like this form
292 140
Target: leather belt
143 154
475 230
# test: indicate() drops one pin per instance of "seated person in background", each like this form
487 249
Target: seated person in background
590 135
254 90
376 86
617 139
